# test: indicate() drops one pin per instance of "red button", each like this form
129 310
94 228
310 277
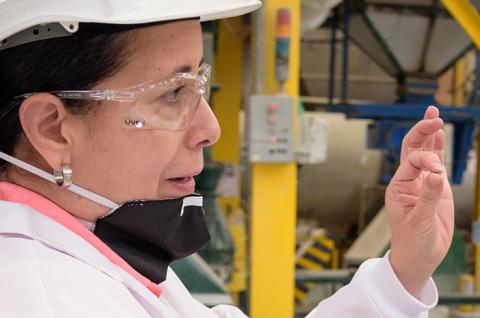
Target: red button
272 107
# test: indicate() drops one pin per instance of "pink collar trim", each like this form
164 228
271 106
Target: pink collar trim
13 193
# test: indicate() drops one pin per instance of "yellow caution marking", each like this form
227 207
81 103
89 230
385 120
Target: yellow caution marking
309 285
305 263
299 294
321 255
328 243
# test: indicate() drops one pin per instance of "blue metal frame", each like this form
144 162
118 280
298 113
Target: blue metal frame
394 119
333 53
346 41
462 143
413 112
426 99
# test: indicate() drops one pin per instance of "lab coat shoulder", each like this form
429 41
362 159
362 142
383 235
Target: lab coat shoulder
39 281
376 292
47 271
21 291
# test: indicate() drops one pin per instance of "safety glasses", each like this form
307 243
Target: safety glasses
167 104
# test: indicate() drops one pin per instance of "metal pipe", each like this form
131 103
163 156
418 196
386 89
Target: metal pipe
346 39
386 49
428 35
333 41
351 78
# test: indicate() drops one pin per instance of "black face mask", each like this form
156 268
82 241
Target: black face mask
149 235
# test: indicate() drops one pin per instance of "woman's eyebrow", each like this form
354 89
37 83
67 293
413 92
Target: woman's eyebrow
186 68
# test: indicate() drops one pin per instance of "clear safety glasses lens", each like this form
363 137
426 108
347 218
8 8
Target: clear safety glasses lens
162 104
169 104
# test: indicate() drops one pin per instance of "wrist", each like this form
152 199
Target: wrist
413 278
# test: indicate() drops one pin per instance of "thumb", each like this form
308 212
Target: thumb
430 194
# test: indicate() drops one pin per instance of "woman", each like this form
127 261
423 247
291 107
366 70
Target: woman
115 104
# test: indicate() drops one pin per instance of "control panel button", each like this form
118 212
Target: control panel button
272 107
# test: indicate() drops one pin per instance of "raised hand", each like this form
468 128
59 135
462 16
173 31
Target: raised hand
419 205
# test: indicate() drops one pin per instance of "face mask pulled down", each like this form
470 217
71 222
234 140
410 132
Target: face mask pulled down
147 234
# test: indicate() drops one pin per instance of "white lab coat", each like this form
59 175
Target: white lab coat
47 271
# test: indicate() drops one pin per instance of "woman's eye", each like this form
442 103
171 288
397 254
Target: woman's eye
172 95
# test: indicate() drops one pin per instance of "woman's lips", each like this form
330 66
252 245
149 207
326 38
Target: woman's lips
185 185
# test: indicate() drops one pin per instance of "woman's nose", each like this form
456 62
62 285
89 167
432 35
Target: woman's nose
204 129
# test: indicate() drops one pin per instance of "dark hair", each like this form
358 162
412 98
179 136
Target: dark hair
76 62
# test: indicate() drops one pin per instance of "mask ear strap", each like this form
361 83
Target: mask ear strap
192 201
73 188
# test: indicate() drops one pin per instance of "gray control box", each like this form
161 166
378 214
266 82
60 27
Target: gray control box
270 129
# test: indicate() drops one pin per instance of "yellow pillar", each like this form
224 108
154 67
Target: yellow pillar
273 190
468 18
227 101
476 218
227 105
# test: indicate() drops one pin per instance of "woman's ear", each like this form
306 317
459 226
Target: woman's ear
45 122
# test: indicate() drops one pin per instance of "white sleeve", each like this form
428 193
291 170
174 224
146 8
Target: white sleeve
375 291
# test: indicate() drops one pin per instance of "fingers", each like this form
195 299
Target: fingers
420 137
430 195
417 162
431 113
418 184
417 136
439 145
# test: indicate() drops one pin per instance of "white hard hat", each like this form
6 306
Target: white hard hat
32 16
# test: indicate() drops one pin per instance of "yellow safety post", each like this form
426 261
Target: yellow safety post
476 218
227 101
273 189
227 105
467 16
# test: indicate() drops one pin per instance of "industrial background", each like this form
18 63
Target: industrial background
314 98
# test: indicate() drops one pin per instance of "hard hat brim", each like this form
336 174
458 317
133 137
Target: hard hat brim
18 15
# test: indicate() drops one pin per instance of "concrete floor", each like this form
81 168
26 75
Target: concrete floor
445 312
439 312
